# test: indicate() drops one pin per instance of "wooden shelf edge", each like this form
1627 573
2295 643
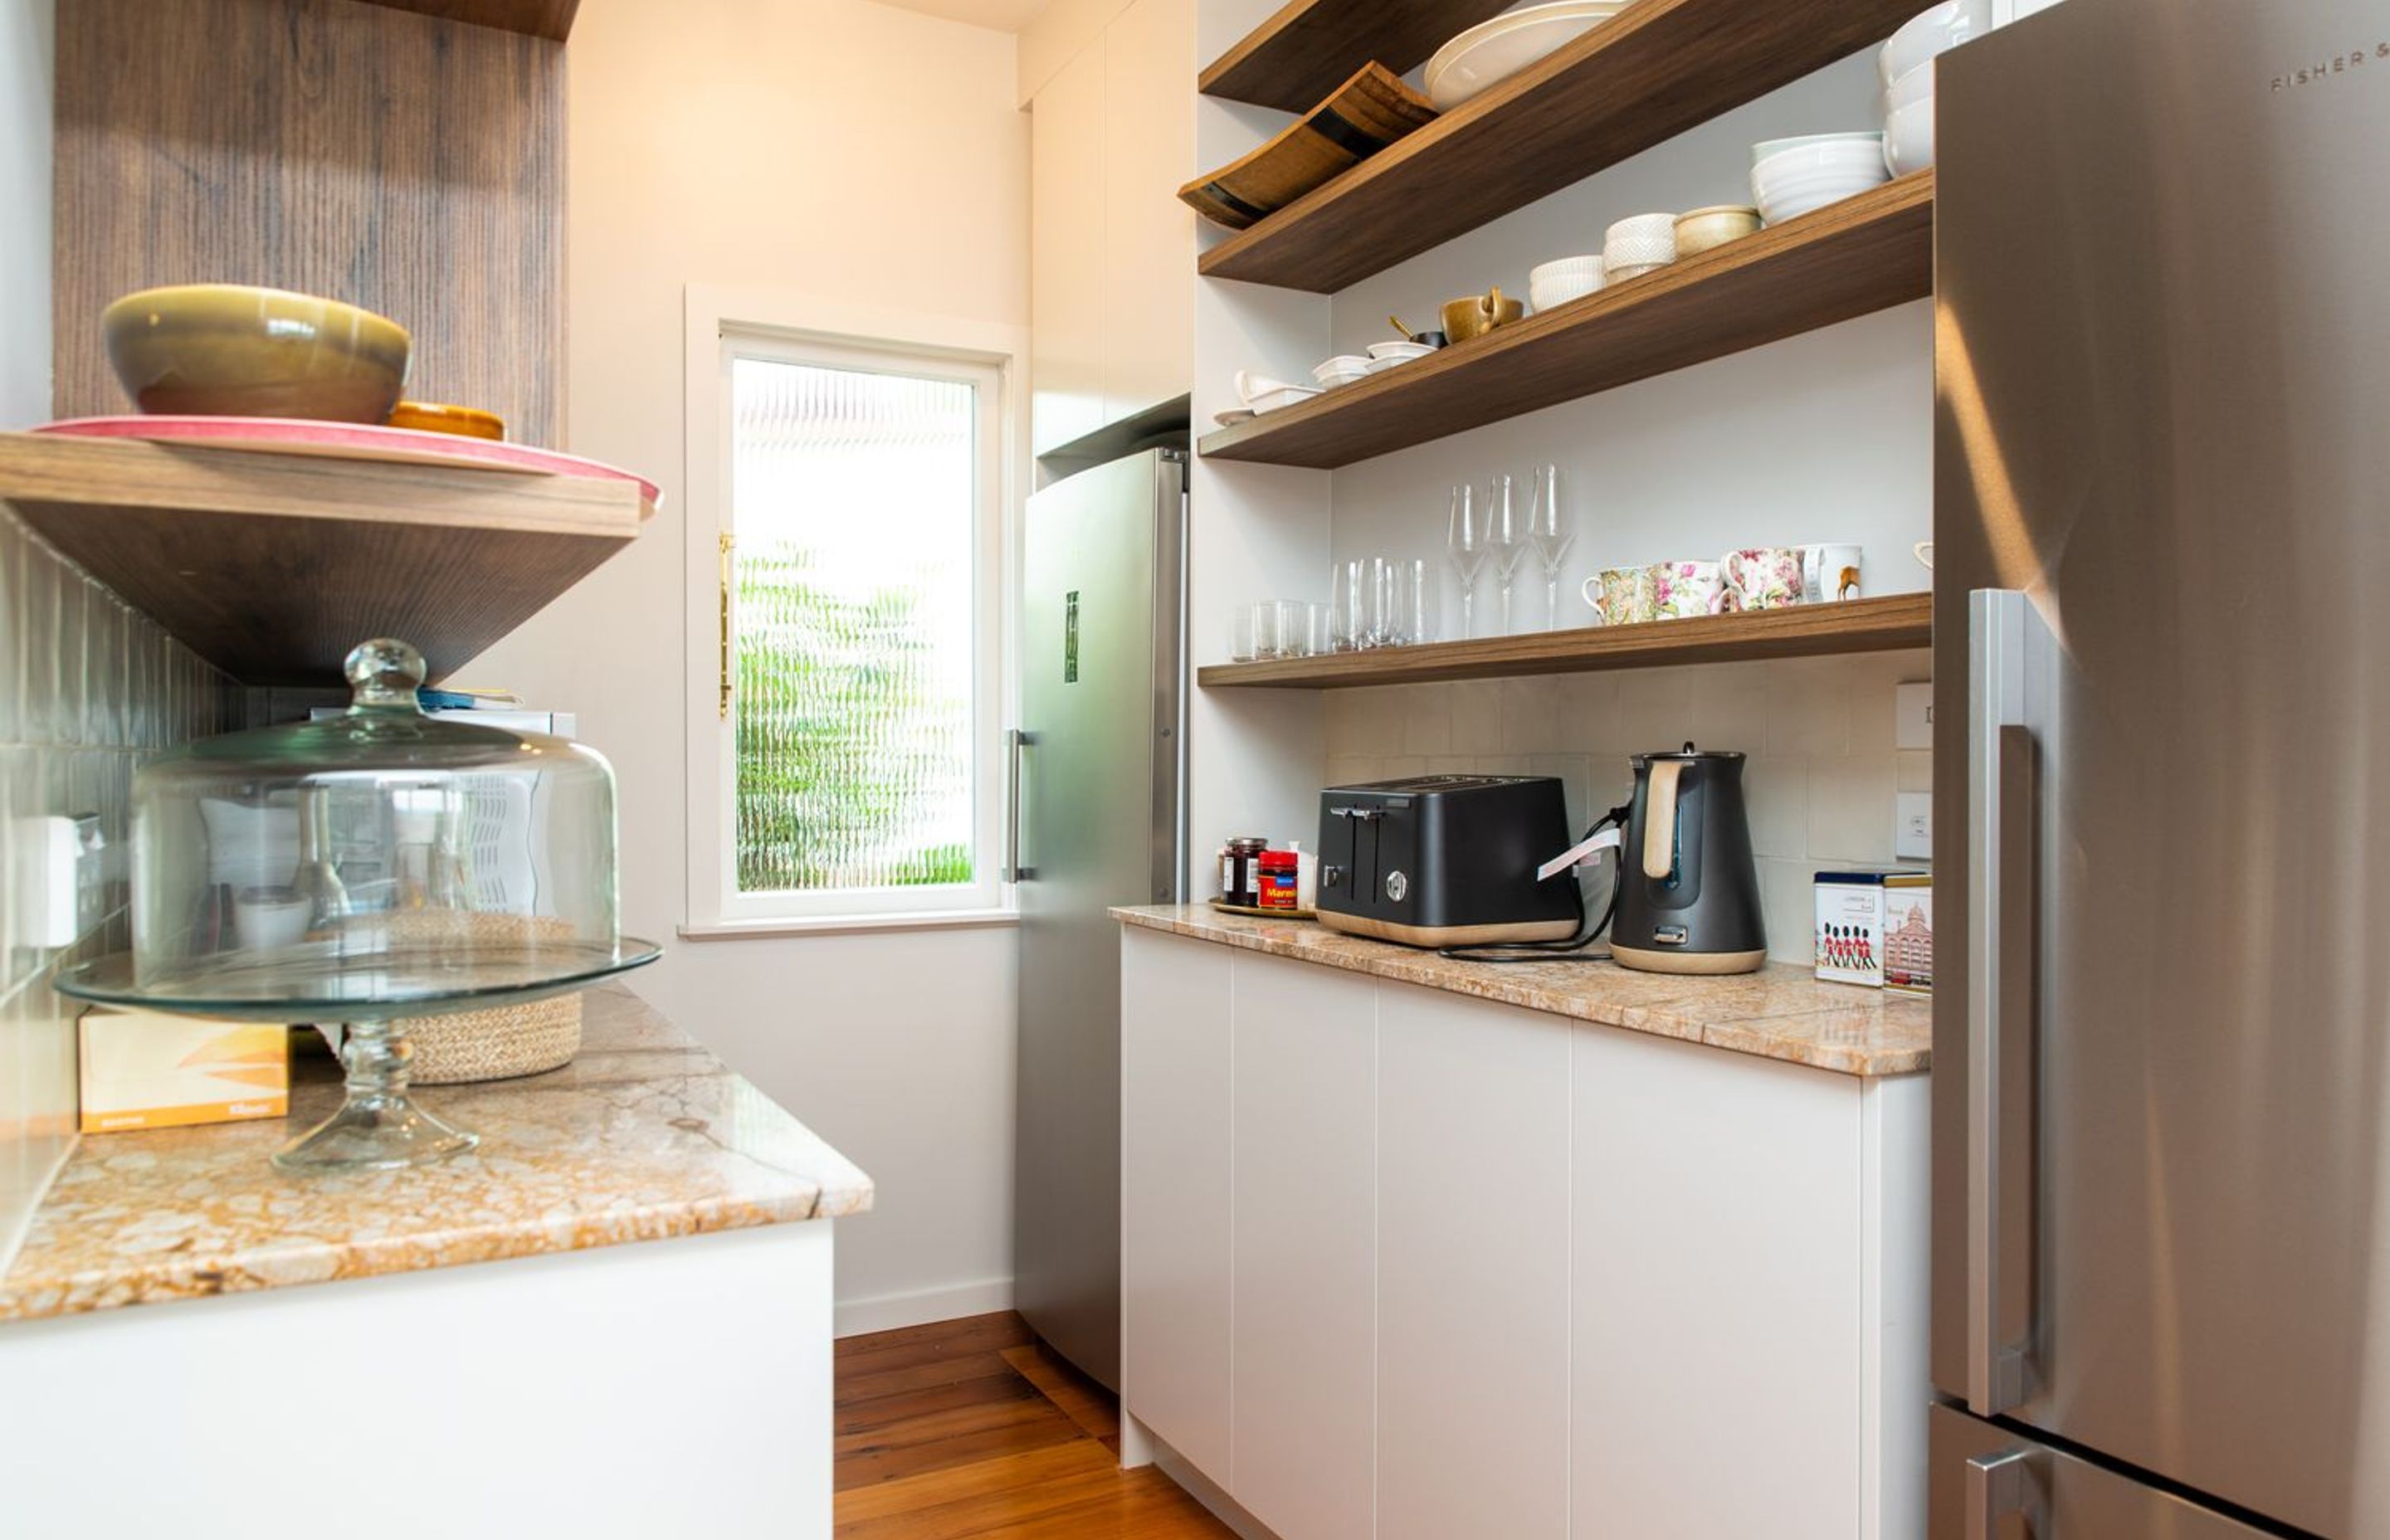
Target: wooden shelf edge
1307 47
1889 624
551 19
1865 253
1657 69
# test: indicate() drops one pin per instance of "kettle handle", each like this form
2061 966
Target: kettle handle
1660 820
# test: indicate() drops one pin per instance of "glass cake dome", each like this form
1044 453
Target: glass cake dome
365 869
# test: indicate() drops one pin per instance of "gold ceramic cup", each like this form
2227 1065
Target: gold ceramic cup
230 350
1480 314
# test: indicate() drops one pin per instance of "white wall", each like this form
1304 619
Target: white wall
845 150
28 38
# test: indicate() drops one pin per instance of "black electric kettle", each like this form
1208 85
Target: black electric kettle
1688 892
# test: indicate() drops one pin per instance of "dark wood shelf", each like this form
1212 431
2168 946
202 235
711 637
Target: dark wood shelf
1659 68
1294 59
548 19
1888 624
1865 253
273 566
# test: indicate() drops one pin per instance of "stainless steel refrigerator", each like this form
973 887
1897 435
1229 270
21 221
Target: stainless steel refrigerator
2162 601
1098 818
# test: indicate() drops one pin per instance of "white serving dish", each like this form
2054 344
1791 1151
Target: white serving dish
1867 141
1343 365
1252 386
1908 138
1914 86
1284 396
1396 353
1232 420
1493 51
1934 30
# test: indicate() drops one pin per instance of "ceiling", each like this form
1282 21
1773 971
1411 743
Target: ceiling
1005 16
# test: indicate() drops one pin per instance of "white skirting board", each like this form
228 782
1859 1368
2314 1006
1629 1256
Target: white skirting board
920 1306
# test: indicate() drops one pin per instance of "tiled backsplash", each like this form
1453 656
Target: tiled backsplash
87 688
1822 781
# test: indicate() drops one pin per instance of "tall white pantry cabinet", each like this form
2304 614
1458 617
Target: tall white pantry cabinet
1408 1264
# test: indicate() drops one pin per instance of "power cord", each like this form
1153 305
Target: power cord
1571 950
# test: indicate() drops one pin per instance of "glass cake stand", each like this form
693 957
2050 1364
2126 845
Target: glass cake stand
372 994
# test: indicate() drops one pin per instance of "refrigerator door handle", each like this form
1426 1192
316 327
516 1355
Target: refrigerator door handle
2000 1486
1015 741
2003 772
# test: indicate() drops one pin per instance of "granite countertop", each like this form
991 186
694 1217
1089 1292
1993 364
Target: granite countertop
644 1136
1780 1012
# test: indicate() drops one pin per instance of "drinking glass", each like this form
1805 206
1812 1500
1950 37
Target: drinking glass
1318 629
1266 644
1551 534
1464 546
1416 580
1241 639
1348 599
1289 622
1506 539
1384 627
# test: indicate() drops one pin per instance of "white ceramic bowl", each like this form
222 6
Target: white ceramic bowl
1398 352
1795 182
1934 30
1567 267
1493 51
1867 141
1914 86
1908 138
1642 240
1561 288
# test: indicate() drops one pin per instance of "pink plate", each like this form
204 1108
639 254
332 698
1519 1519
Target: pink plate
348 441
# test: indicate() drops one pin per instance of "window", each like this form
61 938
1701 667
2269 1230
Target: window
856 702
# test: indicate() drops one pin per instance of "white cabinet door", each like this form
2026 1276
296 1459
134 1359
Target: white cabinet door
1717 1360
1175 1122
1148 278
1066 252
1305 1062
1473 1270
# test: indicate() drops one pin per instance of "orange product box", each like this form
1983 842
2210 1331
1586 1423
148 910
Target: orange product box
147 1069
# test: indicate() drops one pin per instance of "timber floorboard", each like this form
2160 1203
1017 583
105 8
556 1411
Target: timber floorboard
969 1430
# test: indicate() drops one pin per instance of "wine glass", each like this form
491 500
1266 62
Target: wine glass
1505 538
1551 537
1464 545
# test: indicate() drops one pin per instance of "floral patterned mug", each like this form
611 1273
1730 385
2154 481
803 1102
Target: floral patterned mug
1623 596
1763 577
1683 589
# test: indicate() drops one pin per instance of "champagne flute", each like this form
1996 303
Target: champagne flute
1506 536
1551 537
1464 546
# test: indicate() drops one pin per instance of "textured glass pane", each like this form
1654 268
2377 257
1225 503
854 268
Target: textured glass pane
853 503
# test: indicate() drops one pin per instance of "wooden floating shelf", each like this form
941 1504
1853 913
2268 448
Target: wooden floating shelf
1865 253
1310 48
548 19
1659 68
273 566
1890 624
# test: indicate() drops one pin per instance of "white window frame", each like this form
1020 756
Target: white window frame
724 323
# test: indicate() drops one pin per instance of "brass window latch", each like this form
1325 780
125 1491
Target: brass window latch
728 544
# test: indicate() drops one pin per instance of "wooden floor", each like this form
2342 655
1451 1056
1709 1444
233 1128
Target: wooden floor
969 1427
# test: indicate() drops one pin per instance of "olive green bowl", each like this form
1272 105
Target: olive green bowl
232 351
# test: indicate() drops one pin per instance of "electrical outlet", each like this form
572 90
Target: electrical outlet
1912 830
1912 716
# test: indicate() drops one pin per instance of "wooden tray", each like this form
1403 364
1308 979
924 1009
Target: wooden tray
1227 909
348 441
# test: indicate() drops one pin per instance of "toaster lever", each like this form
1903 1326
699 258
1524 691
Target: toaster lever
1358 814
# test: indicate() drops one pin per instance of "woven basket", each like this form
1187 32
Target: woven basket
489 1044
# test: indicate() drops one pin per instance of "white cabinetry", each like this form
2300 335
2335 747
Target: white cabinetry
1403 1263
1111 249
1174 1236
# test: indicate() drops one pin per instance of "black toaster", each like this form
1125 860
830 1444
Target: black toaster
1446 861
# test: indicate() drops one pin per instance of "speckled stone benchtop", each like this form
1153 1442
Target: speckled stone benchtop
644 1136
1780 1012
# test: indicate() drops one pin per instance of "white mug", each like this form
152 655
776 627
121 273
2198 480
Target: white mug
1829 573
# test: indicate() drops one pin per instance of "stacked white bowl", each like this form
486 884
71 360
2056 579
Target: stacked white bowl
1556 283
1792 177
1907 65
1343 369
1635 246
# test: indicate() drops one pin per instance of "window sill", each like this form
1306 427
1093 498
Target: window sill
847 925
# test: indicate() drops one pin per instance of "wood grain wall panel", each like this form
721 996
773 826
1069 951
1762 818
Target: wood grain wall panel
407 163
538 18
